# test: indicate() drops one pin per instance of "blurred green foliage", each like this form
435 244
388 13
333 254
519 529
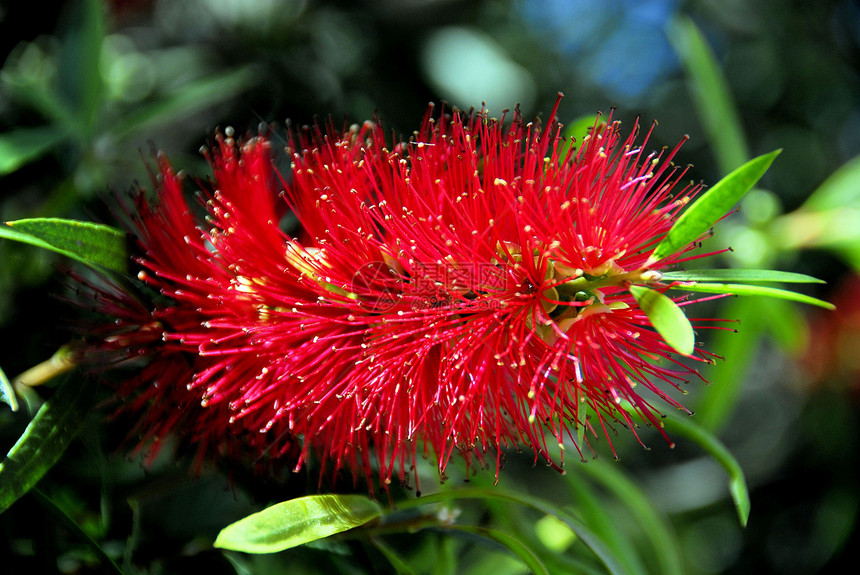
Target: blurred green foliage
88 89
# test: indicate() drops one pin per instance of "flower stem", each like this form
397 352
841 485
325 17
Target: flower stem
63 361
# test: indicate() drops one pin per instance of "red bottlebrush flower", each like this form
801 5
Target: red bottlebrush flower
465 291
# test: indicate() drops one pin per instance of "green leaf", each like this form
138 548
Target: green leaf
586 535
757 318
740 275
685 427
711 206
92 244
657 529
187 99
44 441
742 289
711 94
833 229
77 530
667 318
592 510
577 129
22 146
296 522
840 190
514 545
7 392
80 79
737 482
397 562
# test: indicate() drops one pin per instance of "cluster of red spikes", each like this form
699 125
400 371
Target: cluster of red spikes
462 292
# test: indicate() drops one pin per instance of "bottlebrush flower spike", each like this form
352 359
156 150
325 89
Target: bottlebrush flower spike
463 292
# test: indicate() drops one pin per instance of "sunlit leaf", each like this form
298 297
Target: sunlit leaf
92 244
667 318
44 441
296 522
740 275
711 206
554 534
511 542
7 392
742 289
712 96
21 146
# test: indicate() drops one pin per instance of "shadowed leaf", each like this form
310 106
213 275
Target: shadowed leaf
24 145
712 96
44 441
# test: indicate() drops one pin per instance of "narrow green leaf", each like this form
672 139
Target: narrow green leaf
92 244
711 94
296 522
38 94
397 562
667 318
22 146
76 529
187 99
840 190
740 275
709 442
742 289
586 535
711 206
80 79
514 545
714 408
757 319
44 440
657 529
7 392
834 229
592 511
685 427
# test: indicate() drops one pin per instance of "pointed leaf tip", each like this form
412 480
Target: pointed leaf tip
702 214
754 290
